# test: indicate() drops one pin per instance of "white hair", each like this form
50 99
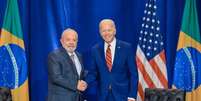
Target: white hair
69 30
107 20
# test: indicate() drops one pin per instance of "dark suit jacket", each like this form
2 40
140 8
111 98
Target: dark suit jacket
123 78
62 76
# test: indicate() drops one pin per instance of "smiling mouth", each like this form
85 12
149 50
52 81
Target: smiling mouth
71 46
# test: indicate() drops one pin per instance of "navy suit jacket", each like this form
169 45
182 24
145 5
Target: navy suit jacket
123 78
63 76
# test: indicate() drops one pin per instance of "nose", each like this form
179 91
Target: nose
106 33
71 42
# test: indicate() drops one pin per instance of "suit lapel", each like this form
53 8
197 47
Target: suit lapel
69 60
102 55
116 55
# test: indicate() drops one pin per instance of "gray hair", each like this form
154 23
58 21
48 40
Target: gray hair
107 20
69 30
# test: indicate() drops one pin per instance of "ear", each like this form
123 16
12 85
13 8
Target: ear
100 31
61 40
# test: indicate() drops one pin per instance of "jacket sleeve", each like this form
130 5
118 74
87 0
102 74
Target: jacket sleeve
92 70
133 73
55 74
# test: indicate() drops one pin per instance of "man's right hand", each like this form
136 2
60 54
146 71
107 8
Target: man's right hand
82 85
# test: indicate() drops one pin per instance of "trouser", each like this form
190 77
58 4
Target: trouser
110 96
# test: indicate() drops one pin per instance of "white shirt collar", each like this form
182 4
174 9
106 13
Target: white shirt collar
70 53
112 44
112 47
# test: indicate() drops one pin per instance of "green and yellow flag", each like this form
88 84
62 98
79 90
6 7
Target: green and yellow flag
13 64
187 71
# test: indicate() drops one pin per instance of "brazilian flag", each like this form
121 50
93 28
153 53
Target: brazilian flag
187 71
13 64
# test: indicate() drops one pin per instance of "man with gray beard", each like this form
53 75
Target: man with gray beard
65 70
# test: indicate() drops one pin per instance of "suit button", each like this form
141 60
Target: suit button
110 87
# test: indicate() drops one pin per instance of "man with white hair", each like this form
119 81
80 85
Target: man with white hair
65 70
113 66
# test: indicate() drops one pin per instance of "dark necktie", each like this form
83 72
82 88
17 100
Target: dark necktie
72 58
109 58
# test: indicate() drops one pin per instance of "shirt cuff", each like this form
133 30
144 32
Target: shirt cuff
129 98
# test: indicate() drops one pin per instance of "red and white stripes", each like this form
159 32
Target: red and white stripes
152 73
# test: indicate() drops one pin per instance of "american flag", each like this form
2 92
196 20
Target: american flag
150 55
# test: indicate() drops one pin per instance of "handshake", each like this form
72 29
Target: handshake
81 85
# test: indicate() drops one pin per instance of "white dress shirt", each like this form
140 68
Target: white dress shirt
76 62
112 48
